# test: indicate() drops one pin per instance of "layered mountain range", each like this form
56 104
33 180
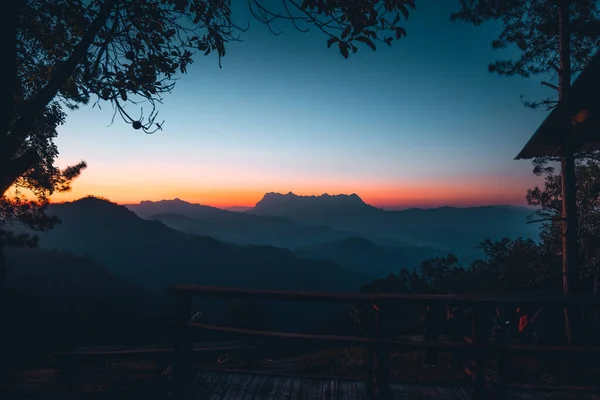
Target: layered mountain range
133 253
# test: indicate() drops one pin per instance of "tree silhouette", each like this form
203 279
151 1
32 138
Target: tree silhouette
532 26
548 200
43 179
556 38
67 53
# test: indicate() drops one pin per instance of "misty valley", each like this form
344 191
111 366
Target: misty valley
120 260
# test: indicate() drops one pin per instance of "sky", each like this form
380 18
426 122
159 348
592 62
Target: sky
419 124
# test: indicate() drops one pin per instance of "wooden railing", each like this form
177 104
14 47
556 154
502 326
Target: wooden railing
378 345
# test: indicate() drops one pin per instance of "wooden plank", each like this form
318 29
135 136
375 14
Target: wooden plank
206 383
230 387
480 348
444 393
208 391
351 392
251 381
399 391
282 389
286 388
324 389
527 396
297 389
460 393
139 350
316 391
257 391
276 387
361 390
380 298
552 388
305 390
253 388
220 390
219 385
345 390
356 390
236 388
265 388
333 389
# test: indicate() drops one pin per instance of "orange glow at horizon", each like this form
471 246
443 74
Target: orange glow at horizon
382 194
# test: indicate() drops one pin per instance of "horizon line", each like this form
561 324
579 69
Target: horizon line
226 208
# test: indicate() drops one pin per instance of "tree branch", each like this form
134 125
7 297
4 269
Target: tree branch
17 167
25 121
550 85
9 51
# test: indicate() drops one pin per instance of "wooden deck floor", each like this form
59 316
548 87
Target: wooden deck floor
256 386
225 385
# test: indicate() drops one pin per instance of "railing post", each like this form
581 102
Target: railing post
71 366
503 372
383 362
478 339
180 343
370 375
371 351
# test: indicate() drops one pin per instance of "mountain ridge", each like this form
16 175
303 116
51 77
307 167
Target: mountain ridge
273 203
453 229
155 256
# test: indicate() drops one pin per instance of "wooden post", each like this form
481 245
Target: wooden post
503 372
71 364
180 346
383 362
371 352
370 375
478 338
570 250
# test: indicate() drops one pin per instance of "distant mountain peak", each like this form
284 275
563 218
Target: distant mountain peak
176 200
99 206
290 194
94 202
149 209
91 199
290 204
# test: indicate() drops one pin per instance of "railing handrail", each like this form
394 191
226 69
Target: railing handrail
488 348
379 298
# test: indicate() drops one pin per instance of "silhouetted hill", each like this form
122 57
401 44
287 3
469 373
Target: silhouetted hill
55 276
238 208
291 205
453 229
360 254
155 256
249 229
55 299
238 227
146 209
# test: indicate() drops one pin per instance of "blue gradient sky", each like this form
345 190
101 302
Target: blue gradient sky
421 123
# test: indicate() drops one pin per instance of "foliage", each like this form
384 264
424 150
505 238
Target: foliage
532 27
510 265
41 180
549 201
